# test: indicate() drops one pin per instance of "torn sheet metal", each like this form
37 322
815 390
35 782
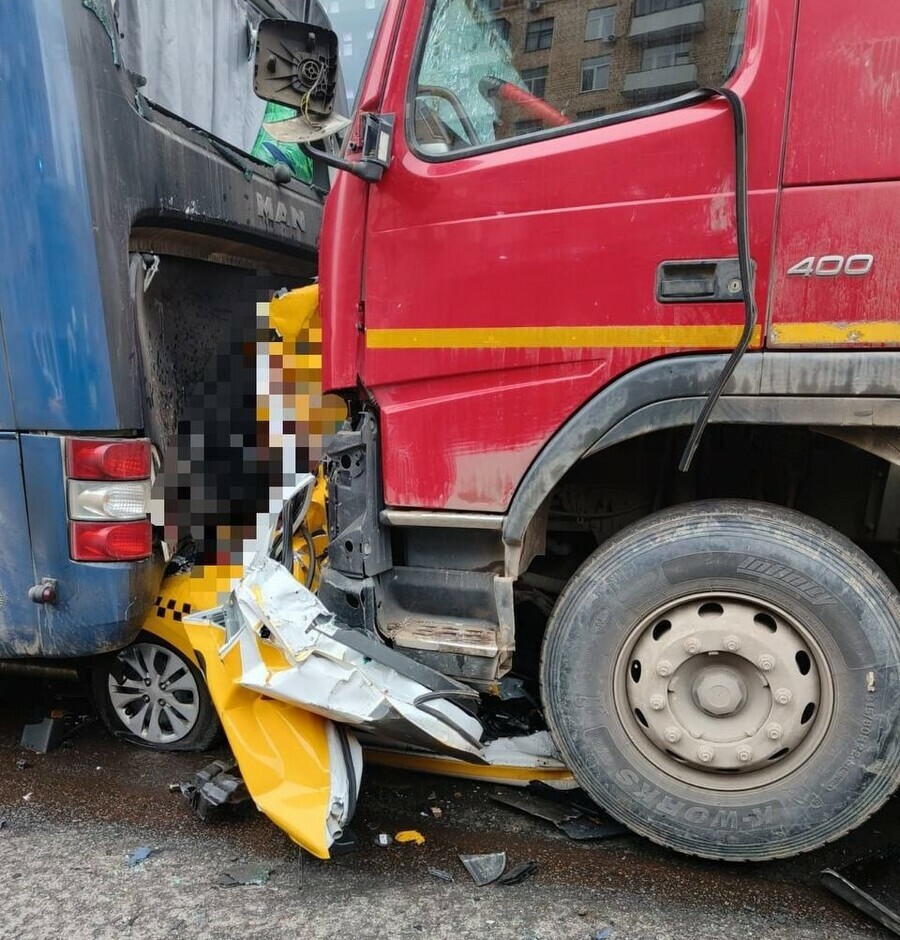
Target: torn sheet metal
871 885
339 673
301 770
513 761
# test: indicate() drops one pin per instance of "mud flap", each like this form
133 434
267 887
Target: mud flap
291 649
302 770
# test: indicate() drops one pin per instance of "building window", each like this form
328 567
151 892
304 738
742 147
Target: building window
590 114
535 81
539 35
664 57
595 73
501 28
601 24
528 127
643 7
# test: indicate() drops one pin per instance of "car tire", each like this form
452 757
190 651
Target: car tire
150 694
721 677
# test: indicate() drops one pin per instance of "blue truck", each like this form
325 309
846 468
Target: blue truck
137 232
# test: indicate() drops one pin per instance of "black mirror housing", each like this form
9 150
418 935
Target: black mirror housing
297 66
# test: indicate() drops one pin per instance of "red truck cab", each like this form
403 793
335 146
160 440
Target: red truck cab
598 222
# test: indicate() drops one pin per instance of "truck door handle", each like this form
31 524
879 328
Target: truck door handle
691 281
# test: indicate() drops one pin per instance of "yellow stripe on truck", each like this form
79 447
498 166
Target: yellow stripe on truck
885 332
559 337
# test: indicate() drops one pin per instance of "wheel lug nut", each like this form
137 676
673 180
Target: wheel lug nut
705 754
664 668
146 698
691 645
766 662
657 702
731 643
774 731
146 682
672 735
744 754
783 696
160 702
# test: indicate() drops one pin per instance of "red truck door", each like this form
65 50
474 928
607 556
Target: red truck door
836 278
546 163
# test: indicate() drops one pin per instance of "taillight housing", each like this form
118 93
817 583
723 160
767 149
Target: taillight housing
108 498
91 458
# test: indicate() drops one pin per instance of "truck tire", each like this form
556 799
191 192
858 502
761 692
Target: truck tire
150 694
721 677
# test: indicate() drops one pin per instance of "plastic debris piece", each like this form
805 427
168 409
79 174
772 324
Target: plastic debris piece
254 873
382 840
410 835
518 874
22 764
139 855
440 874
872 885
28 795
437 812
484 869
216 789
603 934
570 816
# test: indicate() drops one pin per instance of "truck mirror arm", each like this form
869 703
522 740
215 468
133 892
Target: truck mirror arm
365 169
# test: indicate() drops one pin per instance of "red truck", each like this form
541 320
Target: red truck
610 290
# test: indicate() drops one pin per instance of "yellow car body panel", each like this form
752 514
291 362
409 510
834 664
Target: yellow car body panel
282 751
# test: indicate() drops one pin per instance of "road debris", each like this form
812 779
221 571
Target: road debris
216 790
871 885
47 734
573 816
28 795
410 835
141 854
603 934
440 874
484 869
518 873
253 873
22 764
382 840
437 812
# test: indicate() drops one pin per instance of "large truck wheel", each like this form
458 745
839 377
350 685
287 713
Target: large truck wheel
721 677
151 694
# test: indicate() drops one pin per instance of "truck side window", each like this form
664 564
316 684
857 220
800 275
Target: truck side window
495 70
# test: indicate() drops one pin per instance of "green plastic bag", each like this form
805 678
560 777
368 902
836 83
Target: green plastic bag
273 151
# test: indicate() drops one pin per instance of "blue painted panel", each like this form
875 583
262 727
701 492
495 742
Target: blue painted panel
101 606
18 615
52 314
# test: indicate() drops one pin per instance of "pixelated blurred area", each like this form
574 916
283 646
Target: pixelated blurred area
256 420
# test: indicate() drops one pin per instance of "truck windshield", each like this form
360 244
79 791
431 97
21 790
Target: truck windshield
492 70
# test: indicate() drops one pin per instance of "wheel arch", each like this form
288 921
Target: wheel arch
852 393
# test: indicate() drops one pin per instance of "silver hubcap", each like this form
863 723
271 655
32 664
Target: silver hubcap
157 699
724 691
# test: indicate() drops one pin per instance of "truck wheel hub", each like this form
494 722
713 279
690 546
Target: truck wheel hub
723 690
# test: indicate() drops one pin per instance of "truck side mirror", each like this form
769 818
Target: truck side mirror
297 66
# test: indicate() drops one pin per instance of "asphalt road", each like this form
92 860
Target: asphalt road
73 816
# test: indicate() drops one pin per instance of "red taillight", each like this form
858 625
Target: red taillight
104 459
115 541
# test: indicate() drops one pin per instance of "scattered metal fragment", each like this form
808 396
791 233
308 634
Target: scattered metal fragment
518 873
215 788
382 840
46 735
440 874
28 795
254 873
872 885
22 764
484 869
139 855
570 816
410 835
